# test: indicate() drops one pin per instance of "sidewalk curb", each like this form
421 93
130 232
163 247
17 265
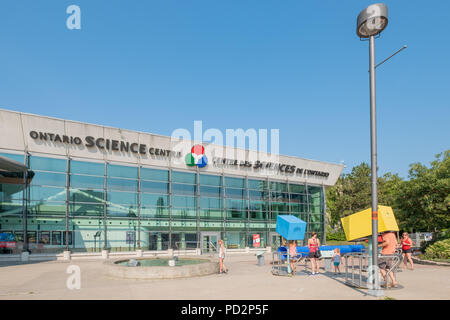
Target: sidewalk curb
432 263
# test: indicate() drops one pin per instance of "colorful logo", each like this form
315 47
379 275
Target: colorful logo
197 157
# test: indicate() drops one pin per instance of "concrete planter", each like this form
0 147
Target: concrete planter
209 266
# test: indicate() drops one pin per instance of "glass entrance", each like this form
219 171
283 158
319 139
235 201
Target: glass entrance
209 241
275 240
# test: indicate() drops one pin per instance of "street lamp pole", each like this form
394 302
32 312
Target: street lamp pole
373 151
371 22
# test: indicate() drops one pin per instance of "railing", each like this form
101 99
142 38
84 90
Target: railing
280 262
357 268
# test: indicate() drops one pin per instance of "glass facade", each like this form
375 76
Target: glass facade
95 205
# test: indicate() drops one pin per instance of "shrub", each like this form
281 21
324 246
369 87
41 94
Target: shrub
336 236
438 236
438 250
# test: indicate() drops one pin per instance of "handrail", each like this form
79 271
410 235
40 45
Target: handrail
353 270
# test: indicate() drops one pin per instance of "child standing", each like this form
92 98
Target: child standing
337 260
292 255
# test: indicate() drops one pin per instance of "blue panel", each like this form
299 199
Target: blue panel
291 227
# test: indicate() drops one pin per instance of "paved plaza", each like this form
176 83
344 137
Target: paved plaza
245 280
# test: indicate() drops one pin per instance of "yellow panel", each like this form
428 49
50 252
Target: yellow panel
359 225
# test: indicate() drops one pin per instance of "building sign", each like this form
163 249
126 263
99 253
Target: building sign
104 144
260 165
197 157
256 241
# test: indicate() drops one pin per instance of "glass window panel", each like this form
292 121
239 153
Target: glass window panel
298 198
210 203
236 204
257 184
257 195
122 184
280 196
86 195
316 227
31 236
10 192
16 157
77 181
91 168
10 208
184 202
154 187
154 212
49 179
258 215
236 193
236 214
313 218
185 213
315 190
234 182
48 164
122 171
297 188
210 180
47 208
70 237
126 198
278 186
122 211
211 191
315 209
47 193
154 200
77 209
183 177
259 206
298 207
56 238
186 189
154 174
211 213
235 240
279 207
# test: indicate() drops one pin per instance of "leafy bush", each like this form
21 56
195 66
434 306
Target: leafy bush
438 236
336 236
438 250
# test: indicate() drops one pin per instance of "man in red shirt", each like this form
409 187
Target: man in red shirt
388 245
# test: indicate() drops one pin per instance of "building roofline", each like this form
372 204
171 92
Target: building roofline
162 136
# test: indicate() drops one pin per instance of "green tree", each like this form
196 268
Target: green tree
423 201
353 192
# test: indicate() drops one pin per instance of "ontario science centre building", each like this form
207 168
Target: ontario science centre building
67 185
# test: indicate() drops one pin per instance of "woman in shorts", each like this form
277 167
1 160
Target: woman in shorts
406 243
222 267
313 246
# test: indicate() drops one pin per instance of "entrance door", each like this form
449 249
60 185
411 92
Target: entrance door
275 240
209 241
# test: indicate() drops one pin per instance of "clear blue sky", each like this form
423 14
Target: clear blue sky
294 65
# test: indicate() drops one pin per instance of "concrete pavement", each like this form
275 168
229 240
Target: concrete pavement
245 280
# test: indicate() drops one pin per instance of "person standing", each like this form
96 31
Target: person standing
406 243
313 246
388 245
337 260
292 255
222 267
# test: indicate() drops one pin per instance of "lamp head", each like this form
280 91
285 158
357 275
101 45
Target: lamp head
372 20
